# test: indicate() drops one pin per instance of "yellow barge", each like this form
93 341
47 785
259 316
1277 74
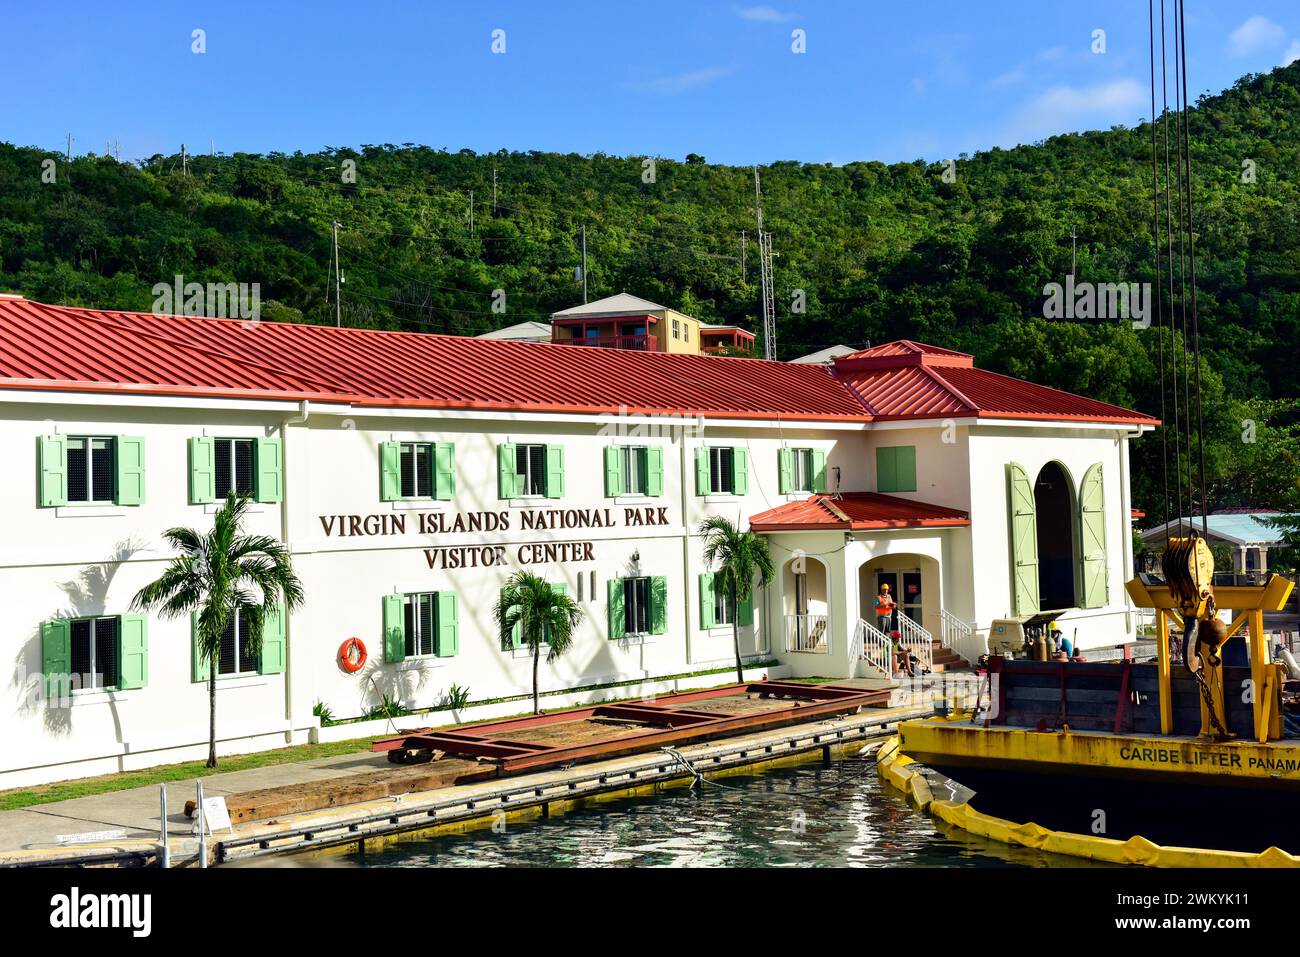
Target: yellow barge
1131 750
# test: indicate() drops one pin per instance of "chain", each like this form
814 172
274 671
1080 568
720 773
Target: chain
1209 701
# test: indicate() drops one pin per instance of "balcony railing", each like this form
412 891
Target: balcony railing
807 633
635 343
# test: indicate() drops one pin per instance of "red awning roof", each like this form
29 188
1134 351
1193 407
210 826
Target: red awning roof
853 511
75 349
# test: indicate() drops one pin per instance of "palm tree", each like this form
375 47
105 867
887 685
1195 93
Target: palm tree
222 575
542 614
739 558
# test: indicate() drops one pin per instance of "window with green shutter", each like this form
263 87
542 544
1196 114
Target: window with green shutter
247 466
721 470
638 606
633 470
802 470
617 610
896 468
613 471
427 625
416 470
89 470
109 652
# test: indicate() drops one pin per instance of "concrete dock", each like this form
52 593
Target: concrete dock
122 827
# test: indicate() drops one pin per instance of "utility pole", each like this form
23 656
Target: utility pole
584 262
212 148
765 273
69 147
184 166
338 302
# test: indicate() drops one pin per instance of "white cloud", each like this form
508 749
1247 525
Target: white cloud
763 14
1257 33
1292 53
681 82
1066 108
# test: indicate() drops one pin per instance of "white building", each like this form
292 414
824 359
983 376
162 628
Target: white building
410 474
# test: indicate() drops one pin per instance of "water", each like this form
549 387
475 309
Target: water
808 815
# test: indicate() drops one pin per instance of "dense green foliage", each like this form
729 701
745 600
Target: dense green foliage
881 251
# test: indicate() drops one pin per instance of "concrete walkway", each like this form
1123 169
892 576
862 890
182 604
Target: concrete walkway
136 810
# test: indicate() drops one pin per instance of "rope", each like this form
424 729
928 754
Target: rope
685 763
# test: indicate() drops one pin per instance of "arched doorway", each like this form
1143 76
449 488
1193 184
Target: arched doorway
1054 510
804 582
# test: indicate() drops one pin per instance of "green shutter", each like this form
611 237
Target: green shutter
886 472
613 471
1092 538
707 618
617 621
516 639
507 478
52 468
818 471
129 457
270 470
896 468
745 610
394 629
132 652
390 471
56 656
658 605
739 471
272 660
1024 540
702 471
785 463
447 641
200 664
444 471
555 471
203 471
654 470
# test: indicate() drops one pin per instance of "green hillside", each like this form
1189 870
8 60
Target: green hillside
880 251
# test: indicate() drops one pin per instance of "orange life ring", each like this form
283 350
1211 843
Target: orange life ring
352 655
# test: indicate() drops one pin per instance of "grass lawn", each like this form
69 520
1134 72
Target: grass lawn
63 790
122 781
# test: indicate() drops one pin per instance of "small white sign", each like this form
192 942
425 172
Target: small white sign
90 837
215 815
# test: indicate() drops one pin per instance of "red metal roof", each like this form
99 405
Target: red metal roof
856 511
75 349
905 380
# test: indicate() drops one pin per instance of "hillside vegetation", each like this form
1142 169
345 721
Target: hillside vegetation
879 251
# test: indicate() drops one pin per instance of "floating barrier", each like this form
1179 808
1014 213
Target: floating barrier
907 776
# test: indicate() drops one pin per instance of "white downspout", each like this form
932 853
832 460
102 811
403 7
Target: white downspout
1126 503
686 545
304 412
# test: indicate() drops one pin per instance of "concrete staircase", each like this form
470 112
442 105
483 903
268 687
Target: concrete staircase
945 659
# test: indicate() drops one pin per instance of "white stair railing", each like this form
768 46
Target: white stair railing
807 633
917 640
873 646
960 637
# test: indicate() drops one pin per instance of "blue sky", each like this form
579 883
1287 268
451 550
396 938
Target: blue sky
880 79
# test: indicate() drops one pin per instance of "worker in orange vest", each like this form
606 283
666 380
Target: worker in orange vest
885 605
